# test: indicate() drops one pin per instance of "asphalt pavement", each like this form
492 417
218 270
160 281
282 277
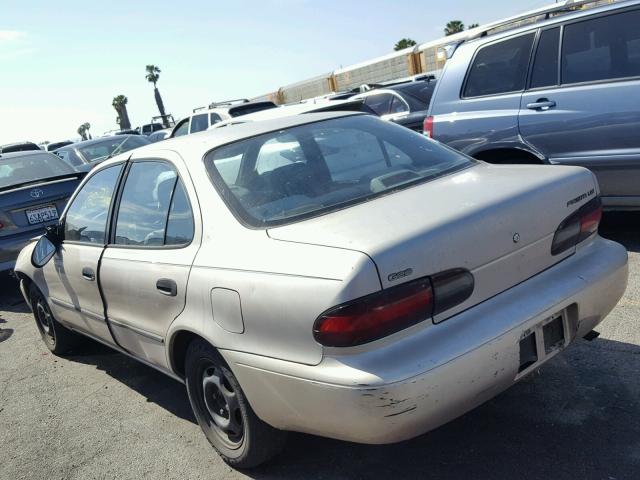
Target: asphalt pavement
97 414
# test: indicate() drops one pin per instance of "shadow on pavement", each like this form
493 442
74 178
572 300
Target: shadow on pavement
623 227
153 385
578 417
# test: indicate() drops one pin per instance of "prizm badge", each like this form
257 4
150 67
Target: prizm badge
579 198
397 275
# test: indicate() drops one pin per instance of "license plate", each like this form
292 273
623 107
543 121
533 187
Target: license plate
42 214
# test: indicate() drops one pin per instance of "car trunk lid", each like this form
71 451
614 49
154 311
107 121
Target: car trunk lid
496 221
29 207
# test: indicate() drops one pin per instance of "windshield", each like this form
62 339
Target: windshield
111 146
31 168
306 170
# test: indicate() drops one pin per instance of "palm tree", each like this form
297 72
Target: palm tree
473 25
87 126
454 26
120 104
82 131
404 43
153 75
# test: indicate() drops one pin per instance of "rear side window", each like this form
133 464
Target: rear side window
545 65
601 49
215 118
199 123
144 206
500 67
380 104
86 219
180 222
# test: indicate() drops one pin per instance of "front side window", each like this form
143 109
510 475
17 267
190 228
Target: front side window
145 202
199 123
86 219
310 169
545 65
601 49
500 67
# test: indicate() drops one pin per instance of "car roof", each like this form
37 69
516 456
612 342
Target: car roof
197 144
24 153
85 143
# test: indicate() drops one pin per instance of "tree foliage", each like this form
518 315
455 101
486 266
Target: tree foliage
454 26
404 43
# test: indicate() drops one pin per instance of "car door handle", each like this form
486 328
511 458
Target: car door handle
541 104
167 287
88 274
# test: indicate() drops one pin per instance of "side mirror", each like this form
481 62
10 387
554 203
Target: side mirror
54 234
42 252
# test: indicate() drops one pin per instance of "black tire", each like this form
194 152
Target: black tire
58 339
234 430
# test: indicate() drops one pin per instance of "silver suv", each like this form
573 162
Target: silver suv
563 89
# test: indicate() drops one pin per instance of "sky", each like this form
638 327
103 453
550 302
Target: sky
62 62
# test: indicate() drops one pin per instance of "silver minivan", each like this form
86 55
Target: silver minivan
563 89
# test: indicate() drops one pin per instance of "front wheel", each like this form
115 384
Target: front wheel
58 339
223 412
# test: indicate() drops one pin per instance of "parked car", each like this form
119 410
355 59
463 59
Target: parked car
560 91
149 128
19 147
99 149
406 104
160 135
204 117
34 189
328 273
50 147
319 105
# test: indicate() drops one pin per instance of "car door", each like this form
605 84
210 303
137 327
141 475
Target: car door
145 267
71 278
583 104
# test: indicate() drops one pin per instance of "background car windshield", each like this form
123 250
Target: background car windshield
111 146
306 170
30 168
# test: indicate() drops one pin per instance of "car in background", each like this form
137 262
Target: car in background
564 89
328 273
19 147
160 135
99 149
316 106
203 117
404 103
149 128
50 147
34 189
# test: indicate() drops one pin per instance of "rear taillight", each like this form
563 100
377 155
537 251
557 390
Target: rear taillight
427 127
388 311
579 226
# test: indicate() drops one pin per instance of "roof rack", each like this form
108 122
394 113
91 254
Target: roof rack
534 16
228 102
197 109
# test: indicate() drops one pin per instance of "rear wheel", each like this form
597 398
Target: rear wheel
222 410
58 339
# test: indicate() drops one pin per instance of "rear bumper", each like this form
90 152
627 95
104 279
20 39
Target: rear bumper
410 386
10 247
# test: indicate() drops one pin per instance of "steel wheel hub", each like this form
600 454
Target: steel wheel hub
222 404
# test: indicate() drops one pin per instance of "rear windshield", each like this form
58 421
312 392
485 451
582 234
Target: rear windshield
112 146
421 92
248 108
31 168
279 177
